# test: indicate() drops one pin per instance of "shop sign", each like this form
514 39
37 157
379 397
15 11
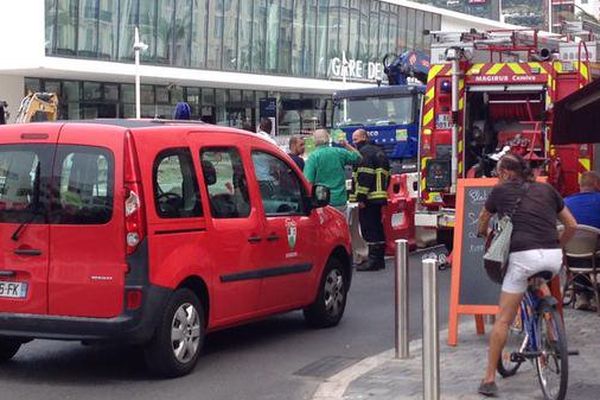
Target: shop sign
355 69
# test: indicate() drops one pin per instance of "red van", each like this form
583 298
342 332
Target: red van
157 232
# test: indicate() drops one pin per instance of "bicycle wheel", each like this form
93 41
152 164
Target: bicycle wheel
510 359
552 364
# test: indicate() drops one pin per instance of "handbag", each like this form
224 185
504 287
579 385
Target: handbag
495 259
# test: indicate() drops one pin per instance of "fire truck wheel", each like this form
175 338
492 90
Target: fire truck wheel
8 348
329 306
176 345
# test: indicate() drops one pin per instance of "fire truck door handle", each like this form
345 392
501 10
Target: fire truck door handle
254 239
273 237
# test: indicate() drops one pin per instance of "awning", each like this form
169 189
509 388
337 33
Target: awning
577 116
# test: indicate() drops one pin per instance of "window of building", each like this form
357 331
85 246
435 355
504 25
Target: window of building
50 30
244 36
215 34
182 33
176 193
231 16
87 43
363 38
128 10
410 29
344 19
286 27
310 36
199 32
402 25
393 32
374 31
164 31
322 61
272 35
384 30
259 34
108 29
299 37
226 182
333 24
66 26
354 29
147 22
280 188
419 39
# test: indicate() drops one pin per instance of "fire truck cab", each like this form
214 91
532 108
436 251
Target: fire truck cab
493 92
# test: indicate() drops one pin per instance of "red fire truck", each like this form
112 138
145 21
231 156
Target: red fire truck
493 92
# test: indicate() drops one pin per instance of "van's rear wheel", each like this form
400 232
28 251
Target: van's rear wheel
329 306
176 345
8 348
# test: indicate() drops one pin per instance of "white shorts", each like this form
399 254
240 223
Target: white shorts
524 264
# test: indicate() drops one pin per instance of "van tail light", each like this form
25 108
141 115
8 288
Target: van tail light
135 224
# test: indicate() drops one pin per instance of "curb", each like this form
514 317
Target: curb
335 386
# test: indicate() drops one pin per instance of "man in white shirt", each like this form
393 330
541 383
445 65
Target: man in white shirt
264 130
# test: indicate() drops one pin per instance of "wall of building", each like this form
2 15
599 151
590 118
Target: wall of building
300 38
11 91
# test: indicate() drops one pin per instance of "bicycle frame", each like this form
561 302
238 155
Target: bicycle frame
529 349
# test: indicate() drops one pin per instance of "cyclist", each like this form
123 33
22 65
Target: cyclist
535 245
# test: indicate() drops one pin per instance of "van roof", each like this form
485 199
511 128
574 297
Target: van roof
143 124
134 123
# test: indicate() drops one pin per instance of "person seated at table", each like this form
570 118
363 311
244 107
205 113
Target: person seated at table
585 207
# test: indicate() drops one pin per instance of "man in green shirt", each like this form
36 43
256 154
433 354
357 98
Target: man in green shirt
325 166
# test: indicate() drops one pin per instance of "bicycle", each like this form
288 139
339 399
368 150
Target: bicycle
538 334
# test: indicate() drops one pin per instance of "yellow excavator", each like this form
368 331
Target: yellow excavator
37 107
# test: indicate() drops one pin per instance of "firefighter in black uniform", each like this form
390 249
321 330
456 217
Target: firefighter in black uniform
369 189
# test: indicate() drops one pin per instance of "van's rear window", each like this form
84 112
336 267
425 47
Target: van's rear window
24 173
62 184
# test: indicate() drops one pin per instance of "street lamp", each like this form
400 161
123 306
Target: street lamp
137 47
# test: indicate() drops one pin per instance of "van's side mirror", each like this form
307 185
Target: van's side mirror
320 196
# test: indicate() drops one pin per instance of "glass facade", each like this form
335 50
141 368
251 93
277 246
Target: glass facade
285 37
298 113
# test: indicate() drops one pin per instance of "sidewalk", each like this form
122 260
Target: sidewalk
383 378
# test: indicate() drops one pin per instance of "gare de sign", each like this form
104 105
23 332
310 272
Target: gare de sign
355 69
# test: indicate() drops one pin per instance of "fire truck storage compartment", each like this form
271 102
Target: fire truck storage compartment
503 115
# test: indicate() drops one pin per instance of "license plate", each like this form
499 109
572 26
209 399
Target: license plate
15 290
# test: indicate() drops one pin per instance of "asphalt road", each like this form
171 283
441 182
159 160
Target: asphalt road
274 359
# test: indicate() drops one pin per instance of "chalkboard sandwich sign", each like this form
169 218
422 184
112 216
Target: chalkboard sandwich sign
471 291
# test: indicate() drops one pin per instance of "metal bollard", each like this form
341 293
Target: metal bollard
431 355
401 293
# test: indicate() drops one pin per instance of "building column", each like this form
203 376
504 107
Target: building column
12 89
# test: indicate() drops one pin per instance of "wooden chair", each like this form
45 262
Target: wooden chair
583 260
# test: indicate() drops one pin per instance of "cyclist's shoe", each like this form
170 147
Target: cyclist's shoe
488 389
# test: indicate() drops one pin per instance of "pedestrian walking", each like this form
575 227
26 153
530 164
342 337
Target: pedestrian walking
369 189
326 166
535 245
296 146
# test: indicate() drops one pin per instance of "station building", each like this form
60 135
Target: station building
221 56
